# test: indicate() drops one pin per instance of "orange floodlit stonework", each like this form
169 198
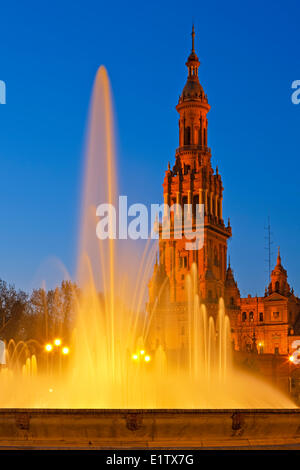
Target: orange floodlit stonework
264 325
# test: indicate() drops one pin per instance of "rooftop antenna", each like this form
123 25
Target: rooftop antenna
268 247
193 39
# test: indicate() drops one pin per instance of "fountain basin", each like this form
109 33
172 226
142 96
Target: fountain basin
146 429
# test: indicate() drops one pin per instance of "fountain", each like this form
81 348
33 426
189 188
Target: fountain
111 367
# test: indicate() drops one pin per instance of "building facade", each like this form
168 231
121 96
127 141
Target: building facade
269 323
265 324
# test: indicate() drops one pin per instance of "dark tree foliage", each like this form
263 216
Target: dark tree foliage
13 306
41 316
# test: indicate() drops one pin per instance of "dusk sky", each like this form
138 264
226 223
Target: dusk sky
50 52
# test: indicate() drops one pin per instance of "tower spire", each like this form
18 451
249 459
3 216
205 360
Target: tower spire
278 257
193 39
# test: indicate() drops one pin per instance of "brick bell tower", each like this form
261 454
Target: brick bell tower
192 180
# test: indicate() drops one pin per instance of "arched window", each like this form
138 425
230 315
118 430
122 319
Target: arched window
277 286
184 201
216 261
261 316
187 136
231 300
251 316
213 205
172 208
244 316
195 202
200 136
219 209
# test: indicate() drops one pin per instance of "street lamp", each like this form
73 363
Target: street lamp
48 349
57 342
140 356
65 350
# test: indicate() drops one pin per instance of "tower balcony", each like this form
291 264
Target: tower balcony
217 224
193 148
177 232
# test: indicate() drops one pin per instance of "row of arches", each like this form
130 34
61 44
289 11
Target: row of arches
250 317
212 205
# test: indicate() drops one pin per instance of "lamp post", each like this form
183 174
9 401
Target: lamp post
141 358
64 354
48 349
56 348
57 342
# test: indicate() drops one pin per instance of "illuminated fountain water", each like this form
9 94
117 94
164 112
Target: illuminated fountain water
110 365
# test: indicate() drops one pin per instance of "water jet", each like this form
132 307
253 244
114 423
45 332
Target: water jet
118 389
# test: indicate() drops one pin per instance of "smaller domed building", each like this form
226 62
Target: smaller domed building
272 321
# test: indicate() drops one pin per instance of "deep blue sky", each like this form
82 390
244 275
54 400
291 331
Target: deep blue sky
50 51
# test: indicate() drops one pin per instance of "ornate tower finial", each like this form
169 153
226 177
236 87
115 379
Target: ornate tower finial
193 39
